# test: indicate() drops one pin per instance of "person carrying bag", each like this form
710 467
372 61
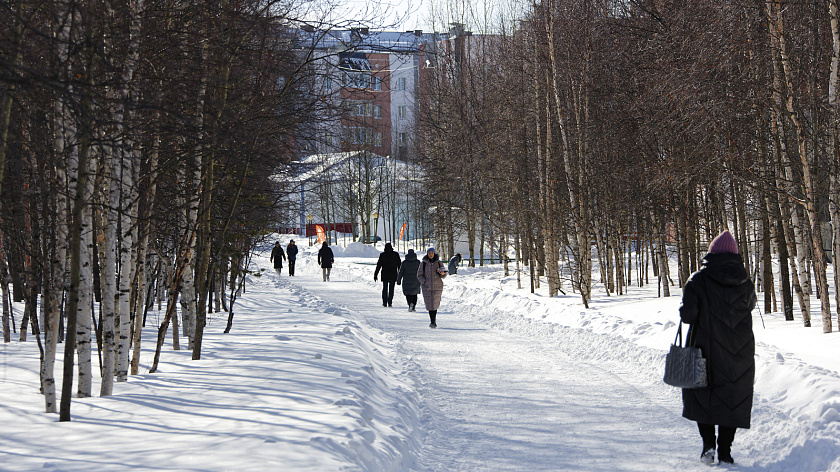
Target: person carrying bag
717 304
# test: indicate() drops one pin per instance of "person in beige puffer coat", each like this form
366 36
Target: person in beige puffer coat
431 273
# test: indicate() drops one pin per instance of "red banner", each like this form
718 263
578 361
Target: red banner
322 235
402 230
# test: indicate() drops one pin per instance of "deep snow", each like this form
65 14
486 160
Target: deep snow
319 376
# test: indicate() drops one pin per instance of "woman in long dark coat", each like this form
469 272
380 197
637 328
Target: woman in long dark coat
407 277
431 274
277 256
717 302
325 260
389 264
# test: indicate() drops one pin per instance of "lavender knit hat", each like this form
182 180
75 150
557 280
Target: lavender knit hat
724 242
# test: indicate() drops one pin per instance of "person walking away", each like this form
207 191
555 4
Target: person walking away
277 256
717 303
407 276
291 252
389 264
431 274
453 263
325 260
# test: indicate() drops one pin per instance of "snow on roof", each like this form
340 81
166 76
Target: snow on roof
371 41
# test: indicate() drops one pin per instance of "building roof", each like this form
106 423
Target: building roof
364 40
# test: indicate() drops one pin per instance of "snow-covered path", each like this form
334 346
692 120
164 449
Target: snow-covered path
506 401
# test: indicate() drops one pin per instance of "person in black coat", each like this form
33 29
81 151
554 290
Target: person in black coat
291 251
717 304
389 264
325 260
277 256
407 277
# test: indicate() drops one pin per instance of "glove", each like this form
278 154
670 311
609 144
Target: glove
374 278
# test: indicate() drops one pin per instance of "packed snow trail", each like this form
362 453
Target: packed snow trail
504 401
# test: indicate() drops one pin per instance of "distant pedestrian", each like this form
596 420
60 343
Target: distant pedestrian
291 251
277 256
389 264
431 274
325 260
453 263
717 303
407 276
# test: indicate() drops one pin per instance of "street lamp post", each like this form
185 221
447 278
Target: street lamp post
309 236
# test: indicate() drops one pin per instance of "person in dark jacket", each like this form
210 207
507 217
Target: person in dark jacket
325 260
291 251
717 304
389 263
431 274
277 256
407 277
453 263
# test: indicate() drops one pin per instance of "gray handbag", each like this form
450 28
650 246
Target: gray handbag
685 366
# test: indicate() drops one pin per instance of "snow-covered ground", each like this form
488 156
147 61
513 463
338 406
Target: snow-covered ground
319 376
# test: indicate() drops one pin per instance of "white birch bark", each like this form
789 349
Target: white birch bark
64 135
800 283
108 276
188 305
582 247
126 241
834 190
128 190
84 314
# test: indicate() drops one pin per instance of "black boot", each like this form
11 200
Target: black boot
725 437
707 432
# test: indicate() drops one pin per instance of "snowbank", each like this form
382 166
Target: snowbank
360 250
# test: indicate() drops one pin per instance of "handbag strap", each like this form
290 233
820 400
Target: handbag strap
678 340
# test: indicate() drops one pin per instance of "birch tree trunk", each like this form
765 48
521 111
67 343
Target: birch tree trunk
834 116
108 270
581 247
79 202
84 315
810 205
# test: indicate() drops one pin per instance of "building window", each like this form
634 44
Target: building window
366 136
402 112
376 83
377 111
401 83
401 139
357 79
358 107
328 83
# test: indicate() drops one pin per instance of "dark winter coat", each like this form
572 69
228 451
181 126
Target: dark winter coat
325 257
453 264
407 277
389 263
291 251
431 282
717 302
277 255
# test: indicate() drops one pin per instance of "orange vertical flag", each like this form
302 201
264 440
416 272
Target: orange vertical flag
402 230
322 235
